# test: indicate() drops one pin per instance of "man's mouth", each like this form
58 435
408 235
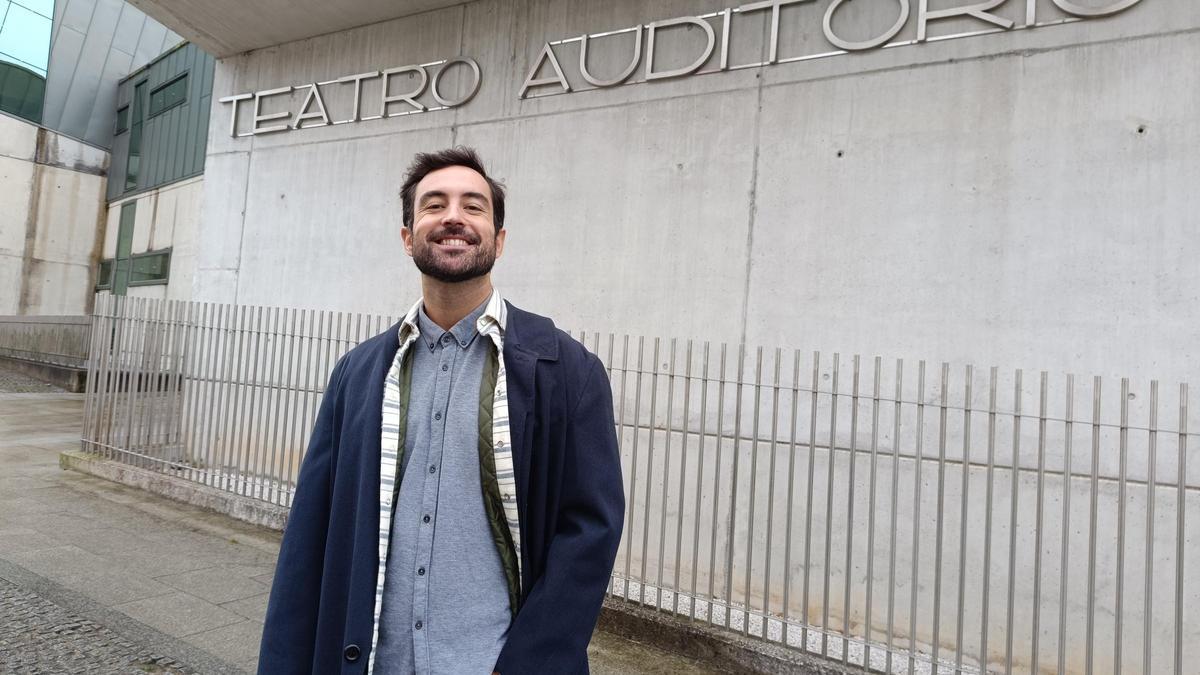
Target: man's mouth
454 242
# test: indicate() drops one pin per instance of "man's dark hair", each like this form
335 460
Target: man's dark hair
425 163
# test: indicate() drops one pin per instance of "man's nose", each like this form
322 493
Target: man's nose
453 213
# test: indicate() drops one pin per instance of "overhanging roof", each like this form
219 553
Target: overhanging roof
227 27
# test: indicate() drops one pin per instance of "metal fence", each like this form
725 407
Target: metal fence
893 516
55 340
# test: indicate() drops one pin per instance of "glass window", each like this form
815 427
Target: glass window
104 278
168 95
124 246
133 162
150 268
24 54
122 120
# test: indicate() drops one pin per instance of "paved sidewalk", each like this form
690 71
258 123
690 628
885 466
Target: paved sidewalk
97 577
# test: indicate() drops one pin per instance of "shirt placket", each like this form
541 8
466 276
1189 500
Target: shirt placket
446 352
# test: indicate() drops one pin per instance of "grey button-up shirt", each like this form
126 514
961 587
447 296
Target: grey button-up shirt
445 601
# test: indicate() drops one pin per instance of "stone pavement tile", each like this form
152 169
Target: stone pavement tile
93 576
236 642
179 614
19 505
612 655
254 608
108 541
252 571
215 584
12 484
250 666
156 562
61 526
22 539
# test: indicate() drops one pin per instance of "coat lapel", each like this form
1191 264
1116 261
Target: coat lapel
528 338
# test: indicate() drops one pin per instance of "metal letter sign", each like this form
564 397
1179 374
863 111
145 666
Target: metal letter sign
314 112
562 82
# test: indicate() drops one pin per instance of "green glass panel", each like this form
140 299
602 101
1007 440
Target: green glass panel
134 161
124 246
156 102
123 120
150 267
168 95
104 278
21 91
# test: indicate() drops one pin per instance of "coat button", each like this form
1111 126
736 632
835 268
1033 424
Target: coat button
352 653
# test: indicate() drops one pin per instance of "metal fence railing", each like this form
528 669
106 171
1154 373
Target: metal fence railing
894 516
54 340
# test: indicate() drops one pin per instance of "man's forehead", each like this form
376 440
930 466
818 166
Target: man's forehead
453 180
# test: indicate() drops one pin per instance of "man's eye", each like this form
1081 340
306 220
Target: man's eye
474 207
432 206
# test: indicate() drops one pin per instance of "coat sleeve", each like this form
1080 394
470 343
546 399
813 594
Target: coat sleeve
553 627
289 630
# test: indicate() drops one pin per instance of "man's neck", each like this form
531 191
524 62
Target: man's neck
446 304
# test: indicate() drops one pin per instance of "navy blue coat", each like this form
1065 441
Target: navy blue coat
569 497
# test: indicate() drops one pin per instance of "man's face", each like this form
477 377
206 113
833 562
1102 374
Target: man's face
453 237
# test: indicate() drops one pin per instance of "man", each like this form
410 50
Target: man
460 503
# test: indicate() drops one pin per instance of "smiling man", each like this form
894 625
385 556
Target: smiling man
460 503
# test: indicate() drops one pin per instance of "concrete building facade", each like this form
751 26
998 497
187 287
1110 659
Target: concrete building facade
1021 194
51 213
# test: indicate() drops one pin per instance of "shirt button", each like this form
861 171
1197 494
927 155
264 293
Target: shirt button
500 444
445 367
425 519
421 571
432 468
437 416
463 343
419 625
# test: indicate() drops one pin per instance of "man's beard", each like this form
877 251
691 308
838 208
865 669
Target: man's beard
465 266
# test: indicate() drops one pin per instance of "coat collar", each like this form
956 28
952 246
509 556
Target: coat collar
532 334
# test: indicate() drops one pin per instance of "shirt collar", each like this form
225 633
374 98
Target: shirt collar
489 321
463 332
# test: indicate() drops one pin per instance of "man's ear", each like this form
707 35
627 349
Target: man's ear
499 242
406 236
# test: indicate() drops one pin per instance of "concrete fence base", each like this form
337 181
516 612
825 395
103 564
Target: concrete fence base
73 380
717 648
243 508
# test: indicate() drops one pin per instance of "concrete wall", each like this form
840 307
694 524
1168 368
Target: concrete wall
1023 198
51 209
165 218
